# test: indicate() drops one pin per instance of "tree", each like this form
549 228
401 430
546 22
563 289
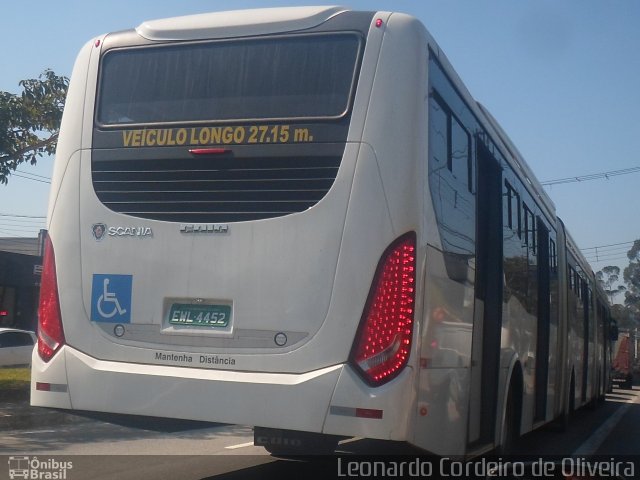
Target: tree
30 121
608 277
632 279
623 317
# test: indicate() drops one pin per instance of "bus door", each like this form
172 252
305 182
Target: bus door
488 311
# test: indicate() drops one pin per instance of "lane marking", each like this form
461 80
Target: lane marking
591 444
240 445
349 440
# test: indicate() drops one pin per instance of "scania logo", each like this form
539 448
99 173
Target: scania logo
101 231
98 229
130 232
204 228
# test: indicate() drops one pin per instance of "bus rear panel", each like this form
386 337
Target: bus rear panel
221 246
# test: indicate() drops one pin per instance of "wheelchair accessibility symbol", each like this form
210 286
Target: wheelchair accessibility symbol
111 298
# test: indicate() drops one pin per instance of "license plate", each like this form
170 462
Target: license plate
216 316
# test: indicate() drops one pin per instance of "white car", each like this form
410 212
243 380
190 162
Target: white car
16 347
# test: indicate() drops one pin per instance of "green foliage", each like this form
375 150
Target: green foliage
623 317
608 277
627 315
632 278
30 121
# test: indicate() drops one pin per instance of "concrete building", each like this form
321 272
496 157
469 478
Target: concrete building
20 268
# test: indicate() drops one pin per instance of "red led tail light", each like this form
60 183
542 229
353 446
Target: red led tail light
50 333
383 343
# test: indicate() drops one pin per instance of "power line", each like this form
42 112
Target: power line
22 219
29 178
33 174
19 224
32 222
607 259
607 253
20 216
610 253
613 251
610 245
593 176
21 228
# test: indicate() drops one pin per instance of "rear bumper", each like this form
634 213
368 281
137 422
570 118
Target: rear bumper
288 401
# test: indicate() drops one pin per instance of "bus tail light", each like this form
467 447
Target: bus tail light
50 332
383 343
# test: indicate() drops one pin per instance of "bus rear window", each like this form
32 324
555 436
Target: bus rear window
293 77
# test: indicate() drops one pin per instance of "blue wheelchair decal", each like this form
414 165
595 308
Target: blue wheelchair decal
111 298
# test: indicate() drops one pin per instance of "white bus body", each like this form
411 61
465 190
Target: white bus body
216 256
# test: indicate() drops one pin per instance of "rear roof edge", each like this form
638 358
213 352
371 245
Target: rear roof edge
237 23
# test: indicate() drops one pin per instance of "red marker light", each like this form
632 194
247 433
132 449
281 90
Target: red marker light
368 413
50 330
97 44
379 22
208 151
4 313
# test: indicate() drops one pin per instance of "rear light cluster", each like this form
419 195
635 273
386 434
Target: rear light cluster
50 333
383 343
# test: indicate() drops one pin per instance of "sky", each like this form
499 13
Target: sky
561 77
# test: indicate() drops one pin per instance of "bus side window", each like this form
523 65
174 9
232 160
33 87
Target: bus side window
438 134
553 258
449 170
513 209
460 154
529 229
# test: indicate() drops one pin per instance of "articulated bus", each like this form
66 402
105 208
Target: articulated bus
300 220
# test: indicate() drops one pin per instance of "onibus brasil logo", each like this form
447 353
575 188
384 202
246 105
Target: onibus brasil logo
36 469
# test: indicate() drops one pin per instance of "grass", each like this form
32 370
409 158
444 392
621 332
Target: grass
14 378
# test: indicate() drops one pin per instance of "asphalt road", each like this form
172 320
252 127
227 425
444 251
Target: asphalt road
141 448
